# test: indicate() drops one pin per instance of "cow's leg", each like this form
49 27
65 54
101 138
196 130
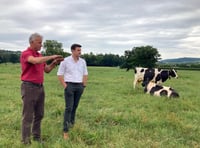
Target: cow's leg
134 83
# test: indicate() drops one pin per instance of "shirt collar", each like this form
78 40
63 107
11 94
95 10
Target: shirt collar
33 51
73 58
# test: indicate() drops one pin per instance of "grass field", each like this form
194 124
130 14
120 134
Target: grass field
110 115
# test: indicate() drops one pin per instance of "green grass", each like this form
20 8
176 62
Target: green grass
110 114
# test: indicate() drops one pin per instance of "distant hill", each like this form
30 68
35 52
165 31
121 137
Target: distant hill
181 60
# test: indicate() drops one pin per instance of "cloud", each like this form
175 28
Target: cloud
104 26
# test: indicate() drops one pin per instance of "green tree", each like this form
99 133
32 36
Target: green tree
53 47
144 56
102 59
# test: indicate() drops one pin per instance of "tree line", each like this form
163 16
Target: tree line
143 56
9 56
131 58
91 58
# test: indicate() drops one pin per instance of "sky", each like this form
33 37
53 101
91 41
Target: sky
104 26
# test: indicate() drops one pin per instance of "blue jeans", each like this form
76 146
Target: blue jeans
73 93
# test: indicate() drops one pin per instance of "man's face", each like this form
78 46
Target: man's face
77 52
37 43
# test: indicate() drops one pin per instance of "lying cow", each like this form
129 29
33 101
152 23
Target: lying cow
158 90
152 74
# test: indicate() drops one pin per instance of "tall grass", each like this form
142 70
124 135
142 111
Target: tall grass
110 114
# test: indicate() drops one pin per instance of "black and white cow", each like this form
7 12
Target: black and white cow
158 90
152 74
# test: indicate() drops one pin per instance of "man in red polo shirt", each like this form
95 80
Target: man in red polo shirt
33 66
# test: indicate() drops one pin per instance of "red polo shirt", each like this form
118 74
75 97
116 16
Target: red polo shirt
31 72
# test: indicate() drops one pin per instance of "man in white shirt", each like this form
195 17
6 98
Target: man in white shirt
72 74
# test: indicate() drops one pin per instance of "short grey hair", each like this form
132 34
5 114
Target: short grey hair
34 36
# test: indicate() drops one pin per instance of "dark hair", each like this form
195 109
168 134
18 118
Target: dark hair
73 47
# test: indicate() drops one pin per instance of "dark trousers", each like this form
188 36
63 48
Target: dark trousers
73 93
33 110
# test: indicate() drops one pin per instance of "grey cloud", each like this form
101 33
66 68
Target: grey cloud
105 26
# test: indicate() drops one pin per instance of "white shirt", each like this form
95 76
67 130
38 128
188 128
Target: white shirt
73 71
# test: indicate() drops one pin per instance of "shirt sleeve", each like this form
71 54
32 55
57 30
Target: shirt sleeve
25 56
61 69
85 72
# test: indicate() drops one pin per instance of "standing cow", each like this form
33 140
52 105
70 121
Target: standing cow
152 74
158 90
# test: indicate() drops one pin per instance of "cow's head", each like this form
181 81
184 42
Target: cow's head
173 73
